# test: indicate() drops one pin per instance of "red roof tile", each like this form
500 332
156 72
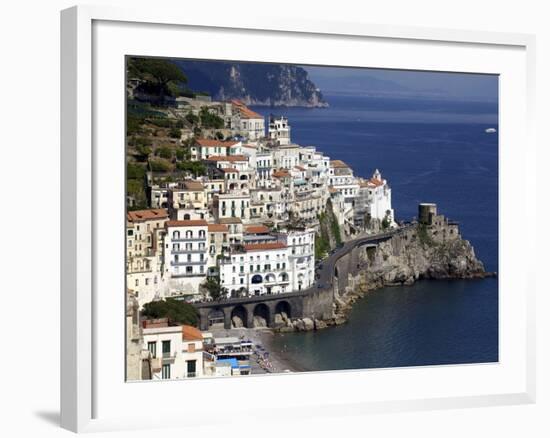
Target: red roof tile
256 229
190 333
229 158
217 228
264 246
215 143
144 215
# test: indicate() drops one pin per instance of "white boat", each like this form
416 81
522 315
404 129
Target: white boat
490 130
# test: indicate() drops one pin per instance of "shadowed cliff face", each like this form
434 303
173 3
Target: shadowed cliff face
423 252
253 83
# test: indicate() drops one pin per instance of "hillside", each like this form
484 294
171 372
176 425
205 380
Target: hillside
253 83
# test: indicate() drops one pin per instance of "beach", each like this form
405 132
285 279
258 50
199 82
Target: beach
275 362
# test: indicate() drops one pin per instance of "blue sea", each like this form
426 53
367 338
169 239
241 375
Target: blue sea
429 150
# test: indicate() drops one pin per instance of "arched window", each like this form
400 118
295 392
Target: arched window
189 234
201 233
176 235
186 216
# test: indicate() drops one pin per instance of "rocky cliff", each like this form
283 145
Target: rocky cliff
253 83
423 252
435 252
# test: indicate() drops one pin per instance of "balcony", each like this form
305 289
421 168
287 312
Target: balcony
189 251
187 274
189 239
168 356
188 263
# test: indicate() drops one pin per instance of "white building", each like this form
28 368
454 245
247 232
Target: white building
205 148
301 257
144 236
252 124
232 205
379 198
256 269
342 179
279 130
175 352
185 256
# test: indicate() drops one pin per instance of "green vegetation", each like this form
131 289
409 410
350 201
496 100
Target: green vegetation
385 223
164 152
212 287
192 118
159 165
159 76
209 120
175 310
423 236
183 154
328 227
135 184
174 132
197 168
322 246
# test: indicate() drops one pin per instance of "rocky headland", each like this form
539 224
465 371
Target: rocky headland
423 251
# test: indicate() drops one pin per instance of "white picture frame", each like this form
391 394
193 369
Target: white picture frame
85 402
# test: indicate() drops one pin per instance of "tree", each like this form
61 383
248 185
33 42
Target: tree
213 288
161 73
175 310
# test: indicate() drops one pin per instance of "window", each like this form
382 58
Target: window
166 371
166 348
152 347
137 282
191 368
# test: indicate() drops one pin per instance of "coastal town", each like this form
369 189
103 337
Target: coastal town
236 234
248 223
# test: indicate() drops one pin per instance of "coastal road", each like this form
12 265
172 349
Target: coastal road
326 273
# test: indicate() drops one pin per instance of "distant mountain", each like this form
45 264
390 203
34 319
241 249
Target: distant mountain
253 83
353 81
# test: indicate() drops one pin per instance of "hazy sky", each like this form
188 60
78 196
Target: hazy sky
401 82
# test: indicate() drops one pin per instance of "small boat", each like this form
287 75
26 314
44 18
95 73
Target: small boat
490 130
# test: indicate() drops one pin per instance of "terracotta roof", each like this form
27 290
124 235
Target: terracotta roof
230 220
145 215
338 164
375 182
190 333
187 223
264 246
246 113
256 229
230 170
281 174
331 189
193 185
300 168
249 146
217 228
215 143
230 158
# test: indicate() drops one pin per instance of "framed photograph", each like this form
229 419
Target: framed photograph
313 218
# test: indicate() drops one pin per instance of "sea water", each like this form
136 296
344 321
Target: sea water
429 150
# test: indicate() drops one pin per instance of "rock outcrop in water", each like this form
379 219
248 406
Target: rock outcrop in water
432 250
